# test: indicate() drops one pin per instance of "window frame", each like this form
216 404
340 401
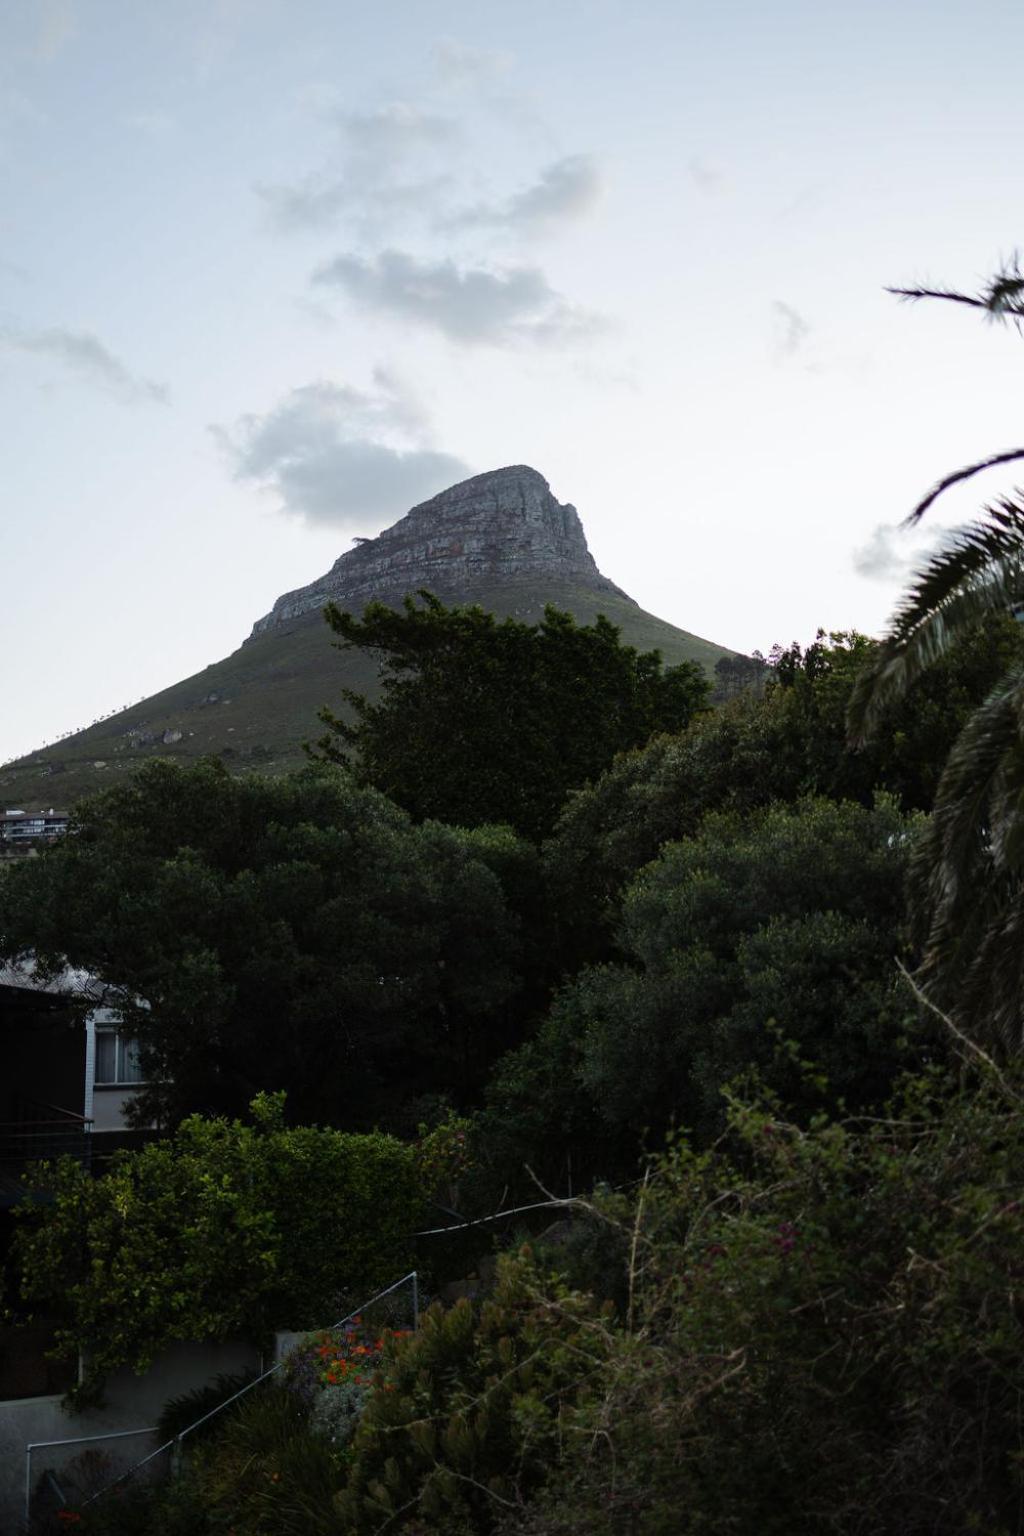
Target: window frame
123 1045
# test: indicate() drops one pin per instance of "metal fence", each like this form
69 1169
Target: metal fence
399 1302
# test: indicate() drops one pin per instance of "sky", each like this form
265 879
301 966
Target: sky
273 271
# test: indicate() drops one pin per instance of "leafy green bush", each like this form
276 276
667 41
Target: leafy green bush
225 1229
822 1331
819 1330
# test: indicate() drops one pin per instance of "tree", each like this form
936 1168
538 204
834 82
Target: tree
484 720
753 750
764 941
967 875
293 933
224 1229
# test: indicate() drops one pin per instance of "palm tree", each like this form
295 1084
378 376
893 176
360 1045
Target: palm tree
967 868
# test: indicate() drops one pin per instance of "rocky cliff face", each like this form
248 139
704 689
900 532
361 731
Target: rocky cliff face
504 526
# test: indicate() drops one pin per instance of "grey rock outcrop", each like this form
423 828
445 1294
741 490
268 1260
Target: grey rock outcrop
504 526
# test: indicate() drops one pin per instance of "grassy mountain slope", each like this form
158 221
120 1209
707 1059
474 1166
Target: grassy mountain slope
257 706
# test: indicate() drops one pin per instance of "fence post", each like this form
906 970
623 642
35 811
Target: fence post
415 1300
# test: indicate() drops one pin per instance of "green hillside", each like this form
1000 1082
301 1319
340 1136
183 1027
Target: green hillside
257 706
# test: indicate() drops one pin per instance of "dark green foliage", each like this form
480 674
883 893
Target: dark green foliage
765 940
474 1408
483 720
790 742
824 1333
968 885
225 1229
297 933
265 1472
261 1470
739 674
818 1330
839 1300
181 1412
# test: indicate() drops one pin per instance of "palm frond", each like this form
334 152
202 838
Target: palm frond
966 885
951 294
989 1002
1001 298
960 586
962 834
956 478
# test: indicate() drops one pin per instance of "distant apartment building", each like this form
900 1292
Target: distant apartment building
24 831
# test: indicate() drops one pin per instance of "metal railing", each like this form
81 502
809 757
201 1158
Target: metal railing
174 1445
41 1445
41 1130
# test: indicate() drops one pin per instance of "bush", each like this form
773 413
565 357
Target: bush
471 1411
822 1331
225 1229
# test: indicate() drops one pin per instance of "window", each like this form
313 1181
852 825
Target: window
117 1058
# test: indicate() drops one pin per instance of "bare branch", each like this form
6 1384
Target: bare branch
970 1046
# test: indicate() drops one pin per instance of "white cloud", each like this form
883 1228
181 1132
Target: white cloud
466 304
389 165
791 329
894 553
318 202
395 131
84 355
343 457
565 190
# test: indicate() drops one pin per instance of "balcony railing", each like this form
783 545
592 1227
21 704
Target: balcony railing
43 1131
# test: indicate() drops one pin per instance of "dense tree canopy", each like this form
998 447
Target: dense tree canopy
296 933
765 941
752 750
487 720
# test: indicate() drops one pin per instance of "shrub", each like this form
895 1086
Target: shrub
225 1229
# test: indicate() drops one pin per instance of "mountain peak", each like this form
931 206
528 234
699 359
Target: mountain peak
502 526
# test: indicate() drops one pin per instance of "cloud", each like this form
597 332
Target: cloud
792 330
881 559
318 202
387 168
341 457
458 63
565 190
395 131
704 176
892 553
472 304
84 354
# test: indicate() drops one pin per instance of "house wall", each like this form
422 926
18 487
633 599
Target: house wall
108 1106
132 1402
